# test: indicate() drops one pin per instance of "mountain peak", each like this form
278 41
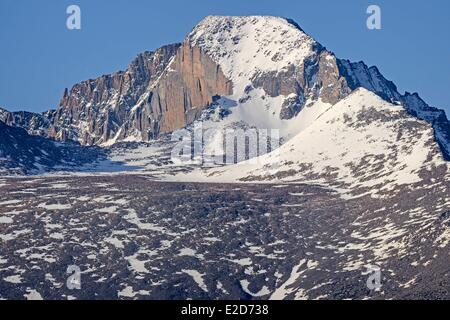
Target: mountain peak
214 19
245 46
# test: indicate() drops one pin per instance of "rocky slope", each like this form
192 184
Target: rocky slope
134 238
21 153
273 63
94 111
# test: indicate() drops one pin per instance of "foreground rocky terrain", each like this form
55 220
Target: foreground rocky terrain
134 238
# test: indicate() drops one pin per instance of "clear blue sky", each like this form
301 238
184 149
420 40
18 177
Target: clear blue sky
39 56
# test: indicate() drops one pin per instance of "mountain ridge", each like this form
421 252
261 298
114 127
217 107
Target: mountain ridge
366 142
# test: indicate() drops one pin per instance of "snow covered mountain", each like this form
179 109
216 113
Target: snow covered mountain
230 72
284 79
361 143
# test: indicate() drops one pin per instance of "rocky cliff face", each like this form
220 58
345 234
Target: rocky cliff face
37 124
93 111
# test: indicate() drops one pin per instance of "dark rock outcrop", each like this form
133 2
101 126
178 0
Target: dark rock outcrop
38 124
317 78
21 153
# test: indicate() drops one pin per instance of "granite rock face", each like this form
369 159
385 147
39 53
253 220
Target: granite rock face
184 90
160 92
